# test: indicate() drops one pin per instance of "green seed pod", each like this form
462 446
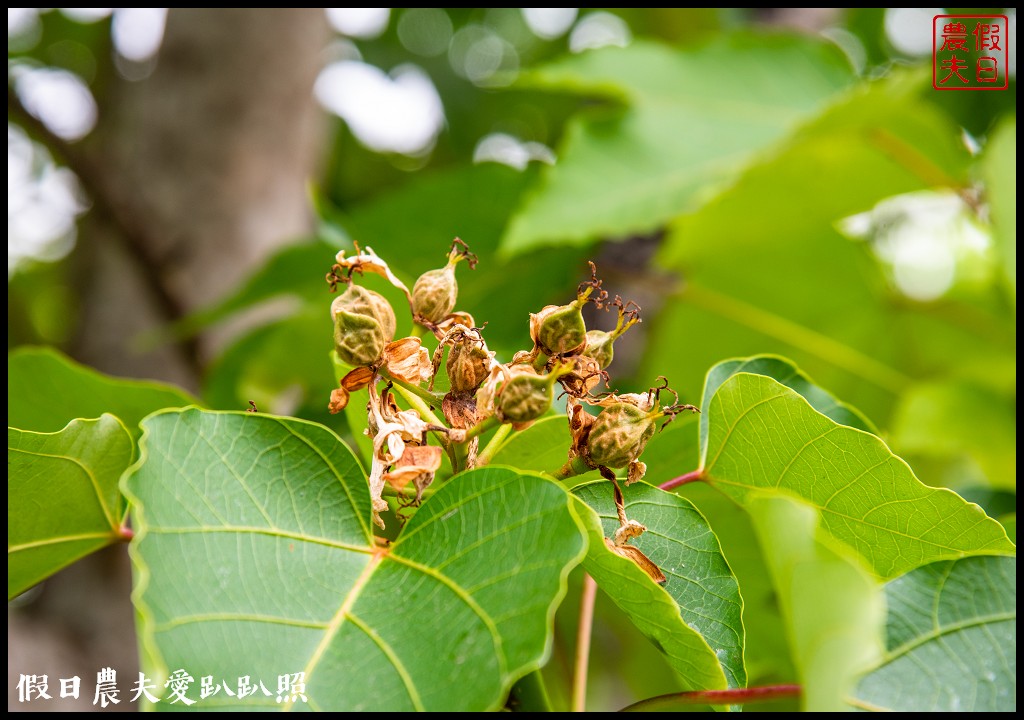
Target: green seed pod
363 324
524 397
619 434
468 365
559 330
599 347
434 294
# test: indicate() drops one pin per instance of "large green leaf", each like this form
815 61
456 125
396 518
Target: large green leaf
952 640
542 447
764 436
696 618
62 497
789 375
254 556
833 608
46 390
765 269
692 120
999 168
673 452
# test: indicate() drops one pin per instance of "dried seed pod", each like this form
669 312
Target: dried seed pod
435 292
559 329
524 397
620 433
364 324
468 365
599 347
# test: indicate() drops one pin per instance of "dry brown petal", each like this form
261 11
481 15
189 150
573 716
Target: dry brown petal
339 399
460 410
376 481
453 319
625 533
369 261
636 472
357 379
487 393
580 422
389 434
413 427
633 553
408 360
418 463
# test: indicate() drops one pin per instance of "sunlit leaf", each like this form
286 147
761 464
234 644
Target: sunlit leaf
764 436
255 557
684 131
833 608
542 447
673 452
695 619
46 390
62 496
952 640
791 376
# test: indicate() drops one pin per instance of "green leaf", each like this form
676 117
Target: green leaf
254 556
999 168
62 497
673 452
542 447
692 120
952 640
833 609
47 390
954 418
789 375
767 271
764 436
695 619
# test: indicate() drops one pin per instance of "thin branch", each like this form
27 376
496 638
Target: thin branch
692 476
134 238
579 680
737 696
495 443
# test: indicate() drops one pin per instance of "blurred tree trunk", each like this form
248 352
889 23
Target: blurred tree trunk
204 166
196 174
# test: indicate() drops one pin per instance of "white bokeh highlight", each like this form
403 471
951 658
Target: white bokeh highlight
508 150
362 23
549 23
138 32
58 98
597 30
399 113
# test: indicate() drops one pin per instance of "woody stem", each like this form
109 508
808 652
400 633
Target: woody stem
579 680
620 505
426 395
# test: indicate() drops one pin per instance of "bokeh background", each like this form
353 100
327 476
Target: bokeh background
776 180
